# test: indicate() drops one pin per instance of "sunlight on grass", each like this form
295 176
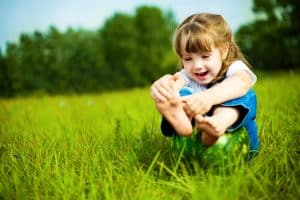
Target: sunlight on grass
109 146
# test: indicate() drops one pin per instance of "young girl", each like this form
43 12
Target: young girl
214 71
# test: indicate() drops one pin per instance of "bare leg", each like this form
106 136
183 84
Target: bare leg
173 111
214 126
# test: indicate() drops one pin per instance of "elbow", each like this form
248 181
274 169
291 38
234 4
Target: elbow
246 84
246 87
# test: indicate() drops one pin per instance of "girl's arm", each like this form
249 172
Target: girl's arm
230 88
235 86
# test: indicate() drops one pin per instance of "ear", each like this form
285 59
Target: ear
224 51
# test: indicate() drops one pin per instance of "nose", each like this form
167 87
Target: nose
198 63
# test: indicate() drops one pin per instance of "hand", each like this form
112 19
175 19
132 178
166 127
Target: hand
197 103
162 89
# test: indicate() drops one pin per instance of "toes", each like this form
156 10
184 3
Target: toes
198 117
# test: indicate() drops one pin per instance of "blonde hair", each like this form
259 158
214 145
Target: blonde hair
204 31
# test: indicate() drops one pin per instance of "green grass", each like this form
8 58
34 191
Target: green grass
109 146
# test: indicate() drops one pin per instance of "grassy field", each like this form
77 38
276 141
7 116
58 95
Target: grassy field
109 146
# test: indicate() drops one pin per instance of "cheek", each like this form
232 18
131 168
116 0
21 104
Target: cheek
186 66
216 66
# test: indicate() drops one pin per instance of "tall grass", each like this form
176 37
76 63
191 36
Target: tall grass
109 146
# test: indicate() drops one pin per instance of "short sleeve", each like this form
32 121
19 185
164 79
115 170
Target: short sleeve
238 66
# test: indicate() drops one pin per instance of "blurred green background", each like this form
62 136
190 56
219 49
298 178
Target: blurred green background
134 49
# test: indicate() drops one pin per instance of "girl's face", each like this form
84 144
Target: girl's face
203 67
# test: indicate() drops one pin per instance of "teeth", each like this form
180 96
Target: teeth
202 73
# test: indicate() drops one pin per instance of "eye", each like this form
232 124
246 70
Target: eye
187 58
206 55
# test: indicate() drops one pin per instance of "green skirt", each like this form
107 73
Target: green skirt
229 146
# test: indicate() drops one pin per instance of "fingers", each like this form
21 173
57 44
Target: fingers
173 88
176 76
156 95
188 109
187 105
194 105
161 90
199 118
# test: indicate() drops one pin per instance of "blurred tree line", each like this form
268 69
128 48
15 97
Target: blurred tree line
272 41
134 50
128 51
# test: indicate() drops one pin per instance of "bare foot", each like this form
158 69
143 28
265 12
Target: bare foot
211 125
212 128
173 111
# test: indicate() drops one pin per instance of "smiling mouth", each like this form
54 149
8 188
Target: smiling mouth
201 75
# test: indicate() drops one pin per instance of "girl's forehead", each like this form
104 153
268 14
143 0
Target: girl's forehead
214 50
190 43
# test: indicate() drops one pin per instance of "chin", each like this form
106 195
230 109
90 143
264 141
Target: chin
204 82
